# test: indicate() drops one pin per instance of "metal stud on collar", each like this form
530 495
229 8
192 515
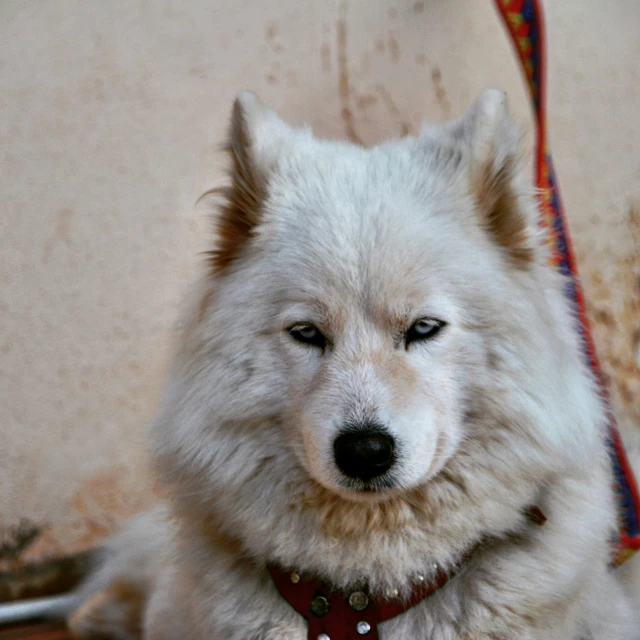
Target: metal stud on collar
363 627
323 636
320 606
358 601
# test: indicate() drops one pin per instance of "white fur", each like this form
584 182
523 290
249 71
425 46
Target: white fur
498 412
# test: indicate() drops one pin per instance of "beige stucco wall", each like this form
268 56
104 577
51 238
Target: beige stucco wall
110 116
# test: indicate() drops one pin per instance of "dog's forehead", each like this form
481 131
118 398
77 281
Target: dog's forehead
358 196
353 220
333 169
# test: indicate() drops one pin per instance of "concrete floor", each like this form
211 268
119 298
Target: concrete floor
111 114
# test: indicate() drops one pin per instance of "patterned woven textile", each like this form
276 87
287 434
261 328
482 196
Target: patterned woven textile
524 21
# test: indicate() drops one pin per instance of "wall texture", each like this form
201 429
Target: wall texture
111 114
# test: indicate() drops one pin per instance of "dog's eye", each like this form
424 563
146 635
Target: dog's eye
306 333
423 329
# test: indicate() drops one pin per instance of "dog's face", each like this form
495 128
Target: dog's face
372 323
372 285
377 358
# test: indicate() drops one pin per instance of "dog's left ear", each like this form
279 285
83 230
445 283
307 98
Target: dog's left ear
491 149
256 140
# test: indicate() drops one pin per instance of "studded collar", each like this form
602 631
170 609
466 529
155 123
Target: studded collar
355 615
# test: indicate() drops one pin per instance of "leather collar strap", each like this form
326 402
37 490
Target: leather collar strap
334 615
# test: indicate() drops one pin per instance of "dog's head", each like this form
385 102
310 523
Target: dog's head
382 307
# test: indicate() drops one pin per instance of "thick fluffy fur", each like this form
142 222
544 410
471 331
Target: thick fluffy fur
497 412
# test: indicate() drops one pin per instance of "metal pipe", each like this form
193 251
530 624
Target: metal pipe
51 608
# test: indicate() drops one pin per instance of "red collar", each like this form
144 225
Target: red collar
354 615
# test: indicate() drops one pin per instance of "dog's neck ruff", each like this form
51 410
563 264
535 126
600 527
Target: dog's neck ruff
352 615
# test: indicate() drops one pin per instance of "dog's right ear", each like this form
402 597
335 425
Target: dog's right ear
256 139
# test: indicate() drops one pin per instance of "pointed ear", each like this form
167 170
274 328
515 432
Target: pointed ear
491 147
257 137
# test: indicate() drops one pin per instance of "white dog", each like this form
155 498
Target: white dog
379 391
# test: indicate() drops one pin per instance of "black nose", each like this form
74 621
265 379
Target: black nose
364 454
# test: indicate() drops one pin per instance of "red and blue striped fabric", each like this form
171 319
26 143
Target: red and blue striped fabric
525 24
